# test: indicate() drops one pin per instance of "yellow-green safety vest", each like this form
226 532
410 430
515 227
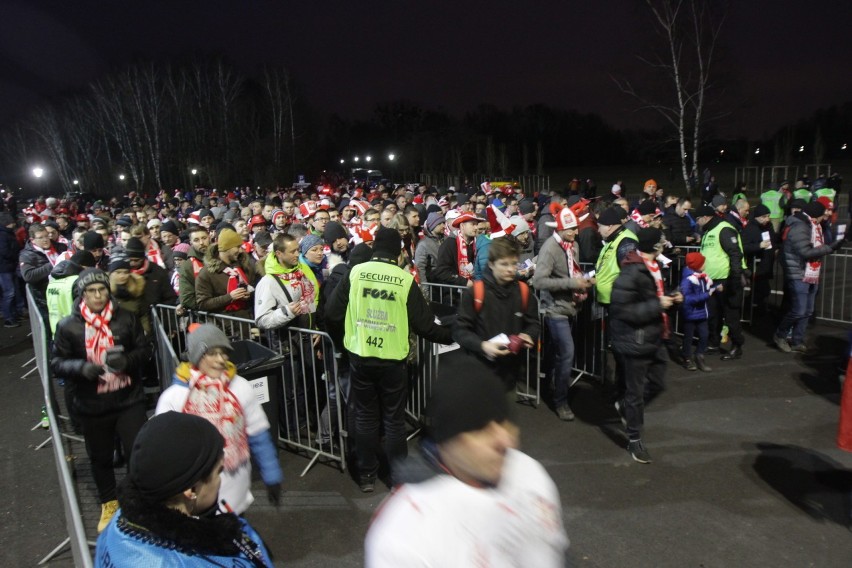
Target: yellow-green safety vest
376 322
607 269
803 194
60 299
717 264
772 200
825 192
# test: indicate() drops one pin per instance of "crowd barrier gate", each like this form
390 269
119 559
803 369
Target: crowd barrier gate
312 417
76 539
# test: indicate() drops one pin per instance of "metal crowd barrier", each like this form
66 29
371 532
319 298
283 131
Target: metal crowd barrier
310 409
76 539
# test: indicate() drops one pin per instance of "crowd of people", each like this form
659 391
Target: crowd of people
370 266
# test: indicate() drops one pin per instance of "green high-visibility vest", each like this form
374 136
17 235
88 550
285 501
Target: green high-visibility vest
607 269
717 264
803 194
377 314
60 299
772 199
826 192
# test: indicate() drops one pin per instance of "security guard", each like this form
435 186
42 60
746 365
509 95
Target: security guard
722 248
618 241
775 202
380 305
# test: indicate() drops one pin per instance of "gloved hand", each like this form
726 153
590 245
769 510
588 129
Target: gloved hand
838 243
273 492
116 360
92 371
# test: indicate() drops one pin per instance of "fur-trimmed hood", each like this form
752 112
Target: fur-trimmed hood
134 288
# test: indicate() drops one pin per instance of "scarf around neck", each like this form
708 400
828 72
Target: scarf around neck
813 267
99 339
654 268
214 401
464 265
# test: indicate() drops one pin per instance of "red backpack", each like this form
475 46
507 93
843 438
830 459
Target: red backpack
479 295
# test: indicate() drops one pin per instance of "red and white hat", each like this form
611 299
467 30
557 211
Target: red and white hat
486 187
500 224
307 209
565 219
360 207
363 234
194 218
464 218
324 204
257 220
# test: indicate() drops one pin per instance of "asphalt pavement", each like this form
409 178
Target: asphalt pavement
745 472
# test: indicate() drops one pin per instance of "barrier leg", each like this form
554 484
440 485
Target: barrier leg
59 548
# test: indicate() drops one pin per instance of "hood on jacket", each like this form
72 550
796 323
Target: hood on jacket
65 269
134 288
632 257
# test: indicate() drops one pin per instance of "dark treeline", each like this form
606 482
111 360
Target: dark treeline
154 123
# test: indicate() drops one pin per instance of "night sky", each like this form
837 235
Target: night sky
781 59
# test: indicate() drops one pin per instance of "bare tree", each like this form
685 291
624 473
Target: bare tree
689 30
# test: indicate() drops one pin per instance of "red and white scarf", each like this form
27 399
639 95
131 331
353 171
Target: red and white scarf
197 265
574 270
654 268
99 339
465 266
142 269
154 254
812 268
236 276
211 399
51 254
303 286
637 217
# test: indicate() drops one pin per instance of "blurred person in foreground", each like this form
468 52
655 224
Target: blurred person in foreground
169 503
470 498
209 386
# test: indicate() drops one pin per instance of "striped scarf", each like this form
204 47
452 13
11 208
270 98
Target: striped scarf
99 339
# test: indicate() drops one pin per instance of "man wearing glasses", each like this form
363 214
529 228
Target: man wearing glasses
37 260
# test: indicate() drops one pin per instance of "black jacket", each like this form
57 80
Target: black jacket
69 356
635 313
158 287
501 312
446 264
752 237
677 228
421 320
9 250
35 270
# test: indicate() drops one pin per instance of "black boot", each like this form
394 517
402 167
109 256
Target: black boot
736 352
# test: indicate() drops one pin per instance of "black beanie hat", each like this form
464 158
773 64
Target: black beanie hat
333 231
83 258
649 238
705 211
92 240
647 207
205 213
465 404
610 216
118 263
171 453
169 227
134 248
814 209
91 276
760 211
360 254
387 243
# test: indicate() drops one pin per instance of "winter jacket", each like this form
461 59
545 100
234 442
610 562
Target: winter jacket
35 270
730 245
186 283
552 279
589 241
501 312
271 309
798 250
696 291
543 231
635 313
158 286
752 236
677 228
9 250
131 297
69 356
446 269
211 286
425 259
144 534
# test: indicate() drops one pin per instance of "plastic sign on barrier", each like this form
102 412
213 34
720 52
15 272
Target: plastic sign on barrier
261 389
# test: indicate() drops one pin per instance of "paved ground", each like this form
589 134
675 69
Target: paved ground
745 473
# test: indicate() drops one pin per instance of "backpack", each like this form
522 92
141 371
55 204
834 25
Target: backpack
479 295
